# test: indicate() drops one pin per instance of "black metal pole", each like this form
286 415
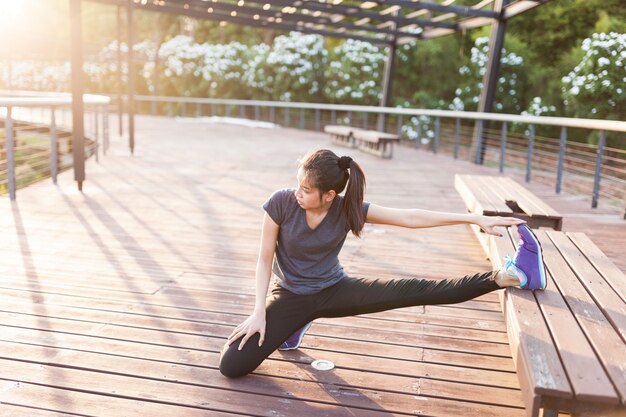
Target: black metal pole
131 80
490 79
120 102
78 129
390 69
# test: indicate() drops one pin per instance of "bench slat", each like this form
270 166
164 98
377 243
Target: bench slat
611 273
541 207
586 374
536 359
474 198
340 130
527 202
505 193
490 190
612 306
604 339
374 136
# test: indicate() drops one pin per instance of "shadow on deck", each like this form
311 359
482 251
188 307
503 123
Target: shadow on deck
117 301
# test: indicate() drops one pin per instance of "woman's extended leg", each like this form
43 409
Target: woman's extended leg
284 314
353 296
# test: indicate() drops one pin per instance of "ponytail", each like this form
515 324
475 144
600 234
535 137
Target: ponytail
353 201
326 171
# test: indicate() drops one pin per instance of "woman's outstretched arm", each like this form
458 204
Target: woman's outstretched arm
417 218
255 323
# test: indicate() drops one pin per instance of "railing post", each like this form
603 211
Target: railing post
365 114
559 170
479 142
54 157
273 114
598 173
350 117
317 120
228 110
457 137
257 113
242 111
437 127
399 125
503 146
198 109
9 146
286 117
333 117
302 118
418 139
96 132
212 109
105 128
531 145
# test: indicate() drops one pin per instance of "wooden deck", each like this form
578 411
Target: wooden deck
116 301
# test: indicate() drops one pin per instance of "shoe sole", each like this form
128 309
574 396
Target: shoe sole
306 329
542 265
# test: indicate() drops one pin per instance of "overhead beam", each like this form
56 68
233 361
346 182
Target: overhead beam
458 10
249 12
355 11
514 9
251 22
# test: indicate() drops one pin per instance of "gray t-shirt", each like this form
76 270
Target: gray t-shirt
306 259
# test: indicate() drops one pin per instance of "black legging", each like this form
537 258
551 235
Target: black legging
287 312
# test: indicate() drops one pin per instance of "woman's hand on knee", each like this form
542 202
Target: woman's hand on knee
252 325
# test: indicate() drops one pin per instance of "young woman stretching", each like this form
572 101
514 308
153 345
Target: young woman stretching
303 232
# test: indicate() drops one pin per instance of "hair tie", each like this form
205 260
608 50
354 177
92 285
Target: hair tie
344 162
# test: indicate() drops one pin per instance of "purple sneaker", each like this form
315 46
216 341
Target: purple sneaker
293 342
529 260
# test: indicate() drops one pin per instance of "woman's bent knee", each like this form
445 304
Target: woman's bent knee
233 363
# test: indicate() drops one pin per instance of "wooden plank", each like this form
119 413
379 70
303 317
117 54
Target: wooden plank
198 340
610 303
474 199
130 359
585 372
79 403
490 188
604 338
340 130
611 273
375 136
530 201
537 360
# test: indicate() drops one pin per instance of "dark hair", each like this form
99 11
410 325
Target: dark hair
326 171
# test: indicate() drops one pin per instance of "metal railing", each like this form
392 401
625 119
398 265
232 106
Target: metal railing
526 143
36 136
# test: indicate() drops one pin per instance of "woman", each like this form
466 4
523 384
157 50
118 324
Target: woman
303 232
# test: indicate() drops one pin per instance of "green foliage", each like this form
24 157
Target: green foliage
354 73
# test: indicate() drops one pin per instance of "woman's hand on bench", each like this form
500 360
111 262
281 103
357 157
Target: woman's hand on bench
492 224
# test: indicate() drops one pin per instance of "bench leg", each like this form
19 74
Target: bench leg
549 413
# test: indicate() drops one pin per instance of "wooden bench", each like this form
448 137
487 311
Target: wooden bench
568 342
341 135
371 141
374 142
502 196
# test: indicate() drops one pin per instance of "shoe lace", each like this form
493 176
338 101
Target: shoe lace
509 262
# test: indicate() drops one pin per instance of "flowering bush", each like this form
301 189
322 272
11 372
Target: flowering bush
596 87
354 75
294 68
509 86
538 108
